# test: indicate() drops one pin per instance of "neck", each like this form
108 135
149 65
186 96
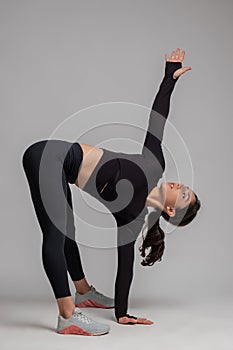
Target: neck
154 198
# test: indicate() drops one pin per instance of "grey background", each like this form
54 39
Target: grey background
58 57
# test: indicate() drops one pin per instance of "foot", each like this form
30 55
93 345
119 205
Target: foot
93 298
81 324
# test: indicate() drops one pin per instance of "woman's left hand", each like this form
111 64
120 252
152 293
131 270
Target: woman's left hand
177 57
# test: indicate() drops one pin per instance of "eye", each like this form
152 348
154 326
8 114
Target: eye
183 195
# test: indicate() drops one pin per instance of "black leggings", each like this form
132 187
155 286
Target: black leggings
49 166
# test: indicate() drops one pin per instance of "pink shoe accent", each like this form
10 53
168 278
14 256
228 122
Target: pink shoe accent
76 330
91 303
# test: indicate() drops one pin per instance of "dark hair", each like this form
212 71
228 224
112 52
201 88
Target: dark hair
155 235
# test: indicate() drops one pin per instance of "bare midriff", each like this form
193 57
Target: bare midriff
91 157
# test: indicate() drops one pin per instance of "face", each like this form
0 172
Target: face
176 195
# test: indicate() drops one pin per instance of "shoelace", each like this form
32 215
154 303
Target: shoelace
82 317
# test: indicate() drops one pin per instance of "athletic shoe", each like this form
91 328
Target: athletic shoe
92 298
81 324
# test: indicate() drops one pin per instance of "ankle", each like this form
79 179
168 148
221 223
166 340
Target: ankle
66 306
82 286
83 291
67 314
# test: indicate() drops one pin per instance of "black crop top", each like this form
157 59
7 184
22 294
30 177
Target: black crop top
130 178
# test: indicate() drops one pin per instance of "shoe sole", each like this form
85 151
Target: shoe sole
79 331
91 303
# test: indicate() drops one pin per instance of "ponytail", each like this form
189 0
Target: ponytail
154 241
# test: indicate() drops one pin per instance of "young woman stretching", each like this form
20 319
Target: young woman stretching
51 165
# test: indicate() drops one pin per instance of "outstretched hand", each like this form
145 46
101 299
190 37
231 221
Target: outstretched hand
177 57
134 320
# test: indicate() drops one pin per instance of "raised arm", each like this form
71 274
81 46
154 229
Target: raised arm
161 105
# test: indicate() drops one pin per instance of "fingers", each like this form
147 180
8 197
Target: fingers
143 321
177 53
186 68
175 56
182 56
180 71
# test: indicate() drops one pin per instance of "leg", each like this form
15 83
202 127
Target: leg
53 256
72 252
75 268
48 184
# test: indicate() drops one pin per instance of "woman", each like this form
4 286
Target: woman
50 165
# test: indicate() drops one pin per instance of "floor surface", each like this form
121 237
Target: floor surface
179 324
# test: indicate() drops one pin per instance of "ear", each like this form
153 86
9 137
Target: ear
170 211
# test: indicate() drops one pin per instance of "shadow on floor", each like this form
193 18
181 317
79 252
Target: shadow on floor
24 324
